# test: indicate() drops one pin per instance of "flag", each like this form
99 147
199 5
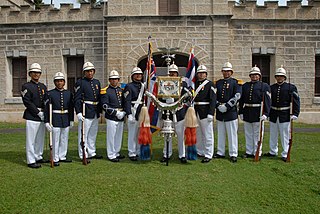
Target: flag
191 70
153 88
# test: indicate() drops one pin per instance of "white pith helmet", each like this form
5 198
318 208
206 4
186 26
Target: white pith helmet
173 68
88 66
201 69
281 72
136 70
59 76
227 67
114 75
35 67
255 70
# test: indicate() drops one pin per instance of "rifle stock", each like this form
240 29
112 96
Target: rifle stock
50 135
290 131
84 158
256 157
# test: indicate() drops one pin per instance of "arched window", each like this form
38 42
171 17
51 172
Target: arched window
181 60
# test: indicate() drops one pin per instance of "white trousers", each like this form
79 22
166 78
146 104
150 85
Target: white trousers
90 135
133 145
114 138
35 131
229 128
205 138
283 129
179 128
60 137
251 131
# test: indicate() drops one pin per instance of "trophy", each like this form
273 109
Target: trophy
168 88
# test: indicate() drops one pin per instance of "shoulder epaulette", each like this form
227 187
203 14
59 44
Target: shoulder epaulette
104 90
240 81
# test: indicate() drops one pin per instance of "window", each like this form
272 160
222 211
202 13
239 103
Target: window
317 76
19 75
168 7
74 70
263 62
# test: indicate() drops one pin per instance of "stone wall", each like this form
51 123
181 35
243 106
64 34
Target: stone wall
47 36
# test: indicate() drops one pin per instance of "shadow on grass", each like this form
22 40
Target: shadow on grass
15 157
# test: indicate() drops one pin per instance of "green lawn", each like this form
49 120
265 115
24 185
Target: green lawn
270 186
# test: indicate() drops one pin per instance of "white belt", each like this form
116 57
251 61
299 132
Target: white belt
252 105
280 108
201 103
119 109
91 102
60 111
136 102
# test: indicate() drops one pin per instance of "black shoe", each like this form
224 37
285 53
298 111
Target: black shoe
200 156
218 156
114 160
164 159
269 155
56 164
43 161
133 158
34 165
96 157
247 156
121 157
183 160
284 159
233 159
206 160
66 161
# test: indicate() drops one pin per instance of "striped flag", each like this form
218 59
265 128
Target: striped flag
191 70
153 88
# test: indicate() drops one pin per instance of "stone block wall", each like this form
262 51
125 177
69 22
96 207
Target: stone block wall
47 36
127 39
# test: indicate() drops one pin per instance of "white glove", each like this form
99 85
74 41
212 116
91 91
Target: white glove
241 116
131 119
210 118
41 115
294 117
120 114
71 124
263 117
80 117
49 127
222 108
169 100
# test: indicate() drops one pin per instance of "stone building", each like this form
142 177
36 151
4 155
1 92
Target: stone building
114 36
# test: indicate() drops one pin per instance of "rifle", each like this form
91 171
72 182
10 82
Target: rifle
50 134
290 130
84 158
256 157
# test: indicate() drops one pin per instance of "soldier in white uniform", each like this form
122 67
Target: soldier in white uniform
179 125
253 93
87 90
33 96
204 105
62 118
112 103
133 101
284 96
228 94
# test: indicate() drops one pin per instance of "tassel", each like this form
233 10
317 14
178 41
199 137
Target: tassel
144 137
191 133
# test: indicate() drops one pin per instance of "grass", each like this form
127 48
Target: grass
270 186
